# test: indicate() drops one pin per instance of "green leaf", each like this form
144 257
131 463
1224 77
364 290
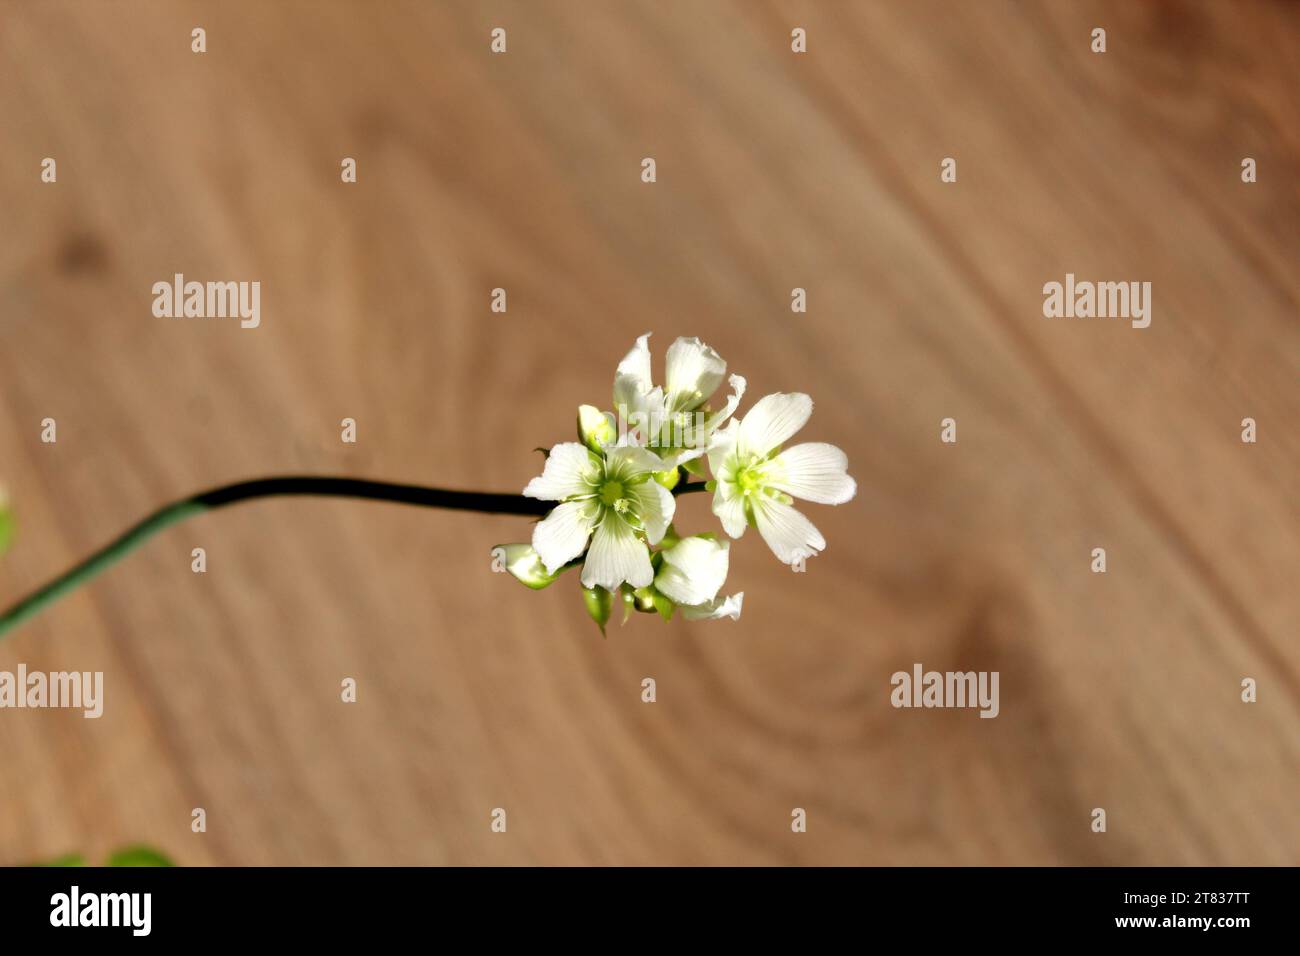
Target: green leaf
138 856
126 856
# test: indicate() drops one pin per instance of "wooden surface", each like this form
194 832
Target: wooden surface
774 171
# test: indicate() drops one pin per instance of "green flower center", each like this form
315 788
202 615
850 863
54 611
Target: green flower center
751 479
611 493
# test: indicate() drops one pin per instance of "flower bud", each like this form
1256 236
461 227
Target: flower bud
643 600
649 600
669 478
628 598
599 604
595 428
525 564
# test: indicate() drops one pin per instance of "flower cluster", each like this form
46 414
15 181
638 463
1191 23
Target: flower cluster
616 488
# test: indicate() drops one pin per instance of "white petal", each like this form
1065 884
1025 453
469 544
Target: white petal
569 471
787 532
722 443
628 461
729 506
655 506
692 373
694 570
616 555
772 420
719 607
737 383
634 409
562 534
632 378
813 471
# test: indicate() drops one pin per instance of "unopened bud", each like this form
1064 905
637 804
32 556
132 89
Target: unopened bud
599 604
525 564
595 428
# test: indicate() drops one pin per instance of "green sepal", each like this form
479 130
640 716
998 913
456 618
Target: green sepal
696 467
664 605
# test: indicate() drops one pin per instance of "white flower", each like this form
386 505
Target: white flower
691 574
693 570
674 419
756 481
610 499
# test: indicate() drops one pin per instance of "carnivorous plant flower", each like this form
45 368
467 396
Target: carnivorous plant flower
691 574
610 498
757 482
674 419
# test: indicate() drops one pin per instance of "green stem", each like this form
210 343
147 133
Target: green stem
418 495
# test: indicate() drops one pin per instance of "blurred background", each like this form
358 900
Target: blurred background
775 171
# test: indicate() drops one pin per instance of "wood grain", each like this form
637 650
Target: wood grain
774 171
